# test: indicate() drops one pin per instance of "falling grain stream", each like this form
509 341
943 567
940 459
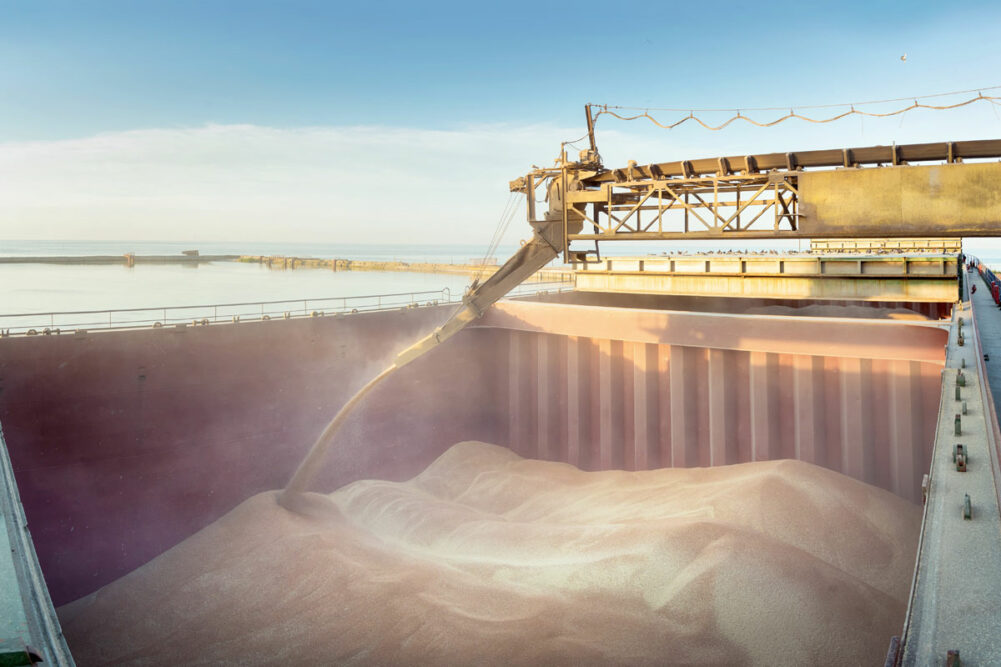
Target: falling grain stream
310 465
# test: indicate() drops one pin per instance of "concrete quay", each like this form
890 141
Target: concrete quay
914 278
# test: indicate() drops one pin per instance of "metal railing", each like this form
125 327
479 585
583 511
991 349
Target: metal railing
54 323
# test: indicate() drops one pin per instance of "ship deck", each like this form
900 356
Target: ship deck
956 594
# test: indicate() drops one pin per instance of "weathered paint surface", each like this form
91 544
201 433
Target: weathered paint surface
785 287
944 200
125 443
867 278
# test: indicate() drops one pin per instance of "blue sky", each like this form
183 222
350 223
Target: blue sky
445 85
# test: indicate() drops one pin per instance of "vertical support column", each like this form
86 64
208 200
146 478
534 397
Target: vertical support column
625 455
684 422
905 429
763 401
664 401
644 403
605 390
808 401
856 421
720 414
591 455
543 398
573 400
929 381
515 412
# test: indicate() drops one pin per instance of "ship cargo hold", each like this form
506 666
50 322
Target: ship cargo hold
870 363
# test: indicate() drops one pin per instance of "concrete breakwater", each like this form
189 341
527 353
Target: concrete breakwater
128 259
282 262
285 263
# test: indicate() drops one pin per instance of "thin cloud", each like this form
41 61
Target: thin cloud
225 182
350 184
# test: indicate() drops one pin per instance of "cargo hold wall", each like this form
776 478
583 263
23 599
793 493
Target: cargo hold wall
616 388
124 443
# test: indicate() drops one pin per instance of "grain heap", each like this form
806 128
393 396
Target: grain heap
489 558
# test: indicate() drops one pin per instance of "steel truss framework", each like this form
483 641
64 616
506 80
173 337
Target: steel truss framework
779 195
708 204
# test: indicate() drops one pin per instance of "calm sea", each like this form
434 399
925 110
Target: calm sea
36 287
51 287
452 254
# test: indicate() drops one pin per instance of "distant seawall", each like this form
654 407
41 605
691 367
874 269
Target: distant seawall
284 263
127 259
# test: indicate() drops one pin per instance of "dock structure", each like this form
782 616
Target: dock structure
885 278
863 246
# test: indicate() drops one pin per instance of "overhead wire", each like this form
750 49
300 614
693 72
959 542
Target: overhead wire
578 139
805 106
605 109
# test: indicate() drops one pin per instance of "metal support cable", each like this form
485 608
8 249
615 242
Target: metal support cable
499 230
739 115
803 106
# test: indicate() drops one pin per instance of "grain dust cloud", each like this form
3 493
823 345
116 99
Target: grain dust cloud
489 558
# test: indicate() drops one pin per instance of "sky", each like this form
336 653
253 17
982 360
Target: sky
358 122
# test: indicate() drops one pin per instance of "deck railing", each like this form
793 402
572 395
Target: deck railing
54 323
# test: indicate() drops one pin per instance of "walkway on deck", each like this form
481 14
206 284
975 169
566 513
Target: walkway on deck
956 596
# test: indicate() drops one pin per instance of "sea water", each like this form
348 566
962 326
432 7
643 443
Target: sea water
171 292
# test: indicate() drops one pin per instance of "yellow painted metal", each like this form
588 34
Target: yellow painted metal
947 199
928 278
776 287
944 266
931 245
827 194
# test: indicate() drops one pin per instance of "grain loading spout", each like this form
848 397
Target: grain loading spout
546 244
548 241
531 257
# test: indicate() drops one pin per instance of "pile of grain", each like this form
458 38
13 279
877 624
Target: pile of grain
823 310
489 558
